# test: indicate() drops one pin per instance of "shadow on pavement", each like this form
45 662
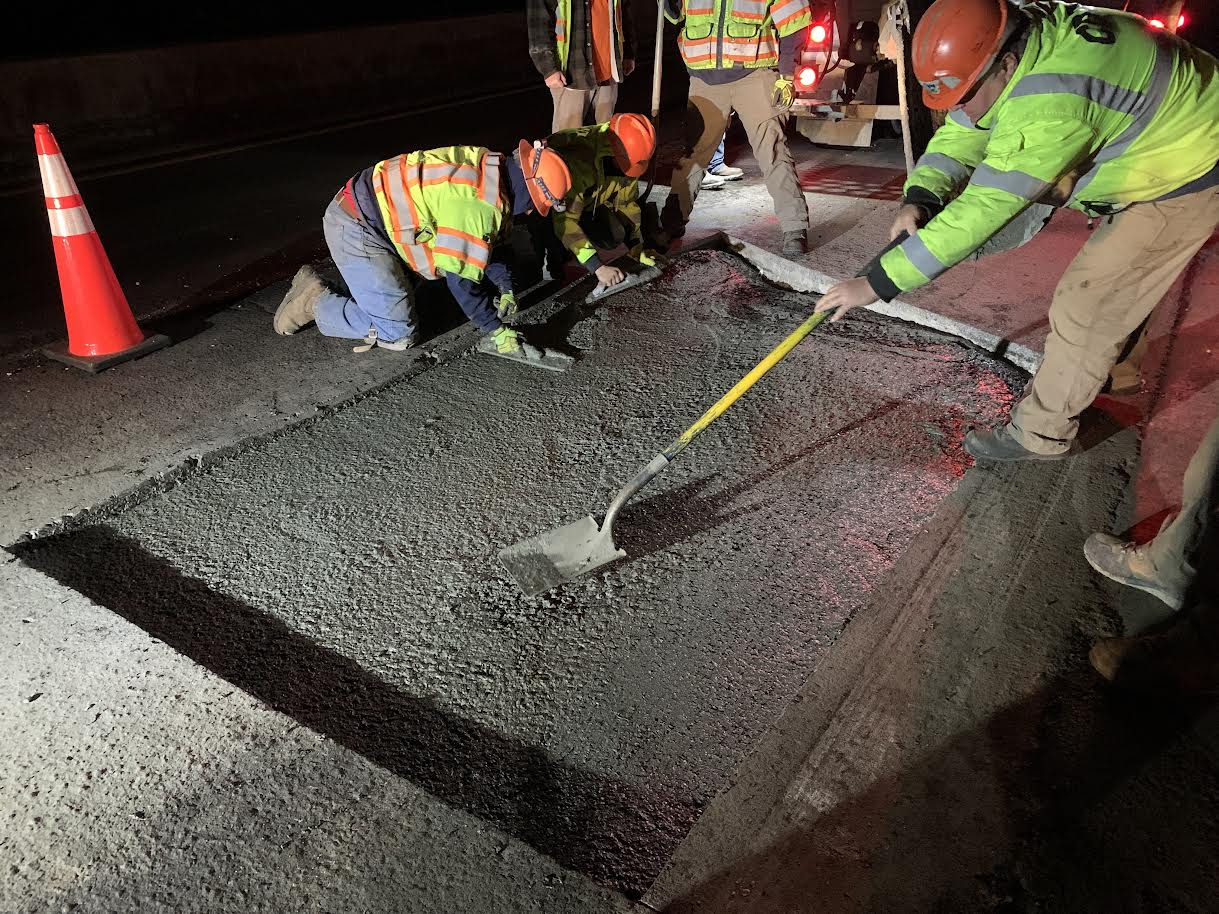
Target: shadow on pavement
1076 789
603 828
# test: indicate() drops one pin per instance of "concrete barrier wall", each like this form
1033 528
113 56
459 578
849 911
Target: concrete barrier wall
111 110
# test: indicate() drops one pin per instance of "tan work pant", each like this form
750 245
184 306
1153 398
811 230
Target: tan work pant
571 106
707 119
1106 293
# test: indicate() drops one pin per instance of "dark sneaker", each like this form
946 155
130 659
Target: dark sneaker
1130 565
998 444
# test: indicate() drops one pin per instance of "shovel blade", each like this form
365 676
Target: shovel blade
549 559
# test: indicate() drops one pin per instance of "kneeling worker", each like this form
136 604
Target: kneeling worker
423 215
1071 105
605 162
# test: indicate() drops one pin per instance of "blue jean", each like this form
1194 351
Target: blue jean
718 158
382 288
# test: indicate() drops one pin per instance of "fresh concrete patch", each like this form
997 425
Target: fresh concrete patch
343 572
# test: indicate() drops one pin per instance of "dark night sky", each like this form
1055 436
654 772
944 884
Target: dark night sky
69 29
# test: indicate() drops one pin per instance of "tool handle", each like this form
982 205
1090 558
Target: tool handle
657 55
721 405
669 454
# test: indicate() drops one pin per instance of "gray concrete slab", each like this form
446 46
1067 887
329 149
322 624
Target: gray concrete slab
344 572
134 779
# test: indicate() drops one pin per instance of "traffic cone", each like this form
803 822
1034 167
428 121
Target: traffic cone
101 328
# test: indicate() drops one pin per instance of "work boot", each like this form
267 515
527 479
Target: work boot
998 444
1175 662
795 242
1130 565
727 172
711 181
299 306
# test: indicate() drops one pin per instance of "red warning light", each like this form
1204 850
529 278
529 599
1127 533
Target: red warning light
817 33
1155 23
1181 21
807 78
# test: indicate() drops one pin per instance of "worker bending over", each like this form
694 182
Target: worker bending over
1084 107
426 215
602 208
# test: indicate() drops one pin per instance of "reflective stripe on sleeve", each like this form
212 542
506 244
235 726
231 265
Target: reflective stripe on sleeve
1018 183
922 258
955 170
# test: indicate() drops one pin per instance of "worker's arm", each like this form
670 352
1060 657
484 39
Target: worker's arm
499 268
477 300
951 157
628 32
1021 165
571 234
625 202
540 15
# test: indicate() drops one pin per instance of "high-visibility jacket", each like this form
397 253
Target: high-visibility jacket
1102 111
585 150
722 34
443 209
562 34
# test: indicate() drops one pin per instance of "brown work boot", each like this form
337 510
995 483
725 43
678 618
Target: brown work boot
1175 662
300 304
1130 565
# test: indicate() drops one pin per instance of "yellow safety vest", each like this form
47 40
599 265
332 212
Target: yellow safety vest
722 34
443 209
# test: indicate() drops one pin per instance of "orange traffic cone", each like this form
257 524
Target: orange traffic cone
101 328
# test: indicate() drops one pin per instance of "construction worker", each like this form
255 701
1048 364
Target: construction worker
1073 105
1181 568
583 49
423 215
605 162
741 55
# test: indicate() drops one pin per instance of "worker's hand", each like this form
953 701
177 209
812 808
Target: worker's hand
845 296
651 259
609 275
784 93
507 306
556 80
628 67
910 218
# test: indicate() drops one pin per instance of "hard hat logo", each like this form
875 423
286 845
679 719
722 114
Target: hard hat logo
546 176
954 44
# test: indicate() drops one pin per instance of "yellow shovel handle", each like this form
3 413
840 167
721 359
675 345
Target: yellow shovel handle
722 404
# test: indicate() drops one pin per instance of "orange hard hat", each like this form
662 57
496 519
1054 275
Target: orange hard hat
954 44
633 139
546 176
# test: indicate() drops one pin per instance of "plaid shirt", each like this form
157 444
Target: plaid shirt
541 19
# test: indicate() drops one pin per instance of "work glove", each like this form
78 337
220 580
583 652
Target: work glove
506 339
784 95
648 258
507 306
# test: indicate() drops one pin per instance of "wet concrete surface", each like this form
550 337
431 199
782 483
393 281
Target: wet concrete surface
343 572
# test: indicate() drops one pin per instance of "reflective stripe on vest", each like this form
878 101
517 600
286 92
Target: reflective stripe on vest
404 221
406 185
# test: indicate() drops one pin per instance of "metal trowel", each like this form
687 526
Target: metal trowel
633 279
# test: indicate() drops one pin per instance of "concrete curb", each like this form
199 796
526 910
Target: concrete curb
803 278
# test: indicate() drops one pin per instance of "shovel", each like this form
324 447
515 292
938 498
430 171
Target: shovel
544 561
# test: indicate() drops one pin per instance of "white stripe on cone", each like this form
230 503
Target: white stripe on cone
56 179
68 222
57 182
